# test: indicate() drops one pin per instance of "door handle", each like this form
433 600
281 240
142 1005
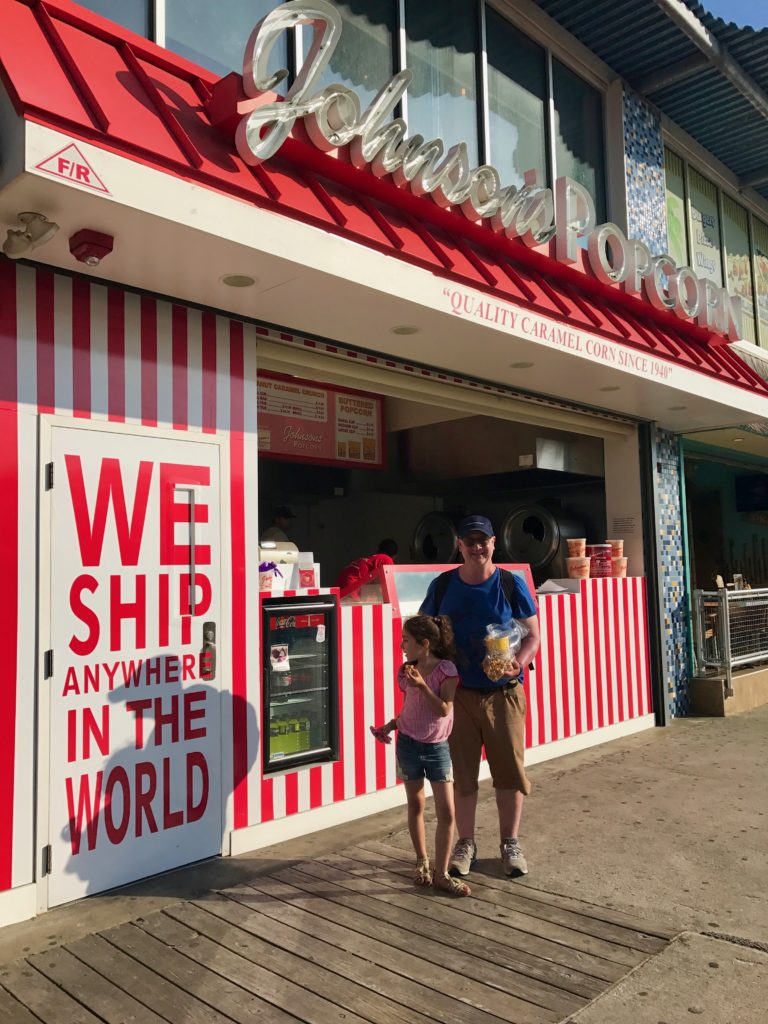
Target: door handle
208 653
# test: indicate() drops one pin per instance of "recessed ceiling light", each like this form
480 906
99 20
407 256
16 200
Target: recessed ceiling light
521 366
610 387
237 280
737 440
405 329
676 408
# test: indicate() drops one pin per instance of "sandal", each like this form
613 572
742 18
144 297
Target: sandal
453 886
423 873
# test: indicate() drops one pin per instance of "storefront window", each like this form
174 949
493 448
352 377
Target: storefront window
441 48
579 152
517 96
738 274
131 14
760 250
214 38
677 232
705 228
364 59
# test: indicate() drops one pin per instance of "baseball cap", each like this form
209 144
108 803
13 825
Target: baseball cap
479 524
283 512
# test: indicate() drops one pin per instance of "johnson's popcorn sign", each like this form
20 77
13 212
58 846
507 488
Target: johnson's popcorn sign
135 733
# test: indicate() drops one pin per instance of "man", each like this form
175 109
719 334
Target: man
280 523
489 714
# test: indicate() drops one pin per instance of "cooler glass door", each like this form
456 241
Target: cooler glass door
300 683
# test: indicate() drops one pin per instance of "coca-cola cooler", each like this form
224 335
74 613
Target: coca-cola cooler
300 659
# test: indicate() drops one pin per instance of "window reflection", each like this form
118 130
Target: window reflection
214 35
131 14
364 58
738 272
517 91
442 40
760 242
579 133
677 231
705 228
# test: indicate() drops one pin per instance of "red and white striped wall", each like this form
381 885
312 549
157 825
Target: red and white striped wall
84 350
591 671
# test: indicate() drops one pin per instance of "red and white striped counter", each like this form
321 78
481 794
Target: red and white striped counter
590 683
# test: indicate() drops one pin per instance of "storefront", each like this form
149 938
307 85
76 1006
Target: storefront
193 304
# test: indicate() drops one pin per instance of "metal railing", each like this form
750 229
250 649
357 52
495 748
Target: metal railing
730 629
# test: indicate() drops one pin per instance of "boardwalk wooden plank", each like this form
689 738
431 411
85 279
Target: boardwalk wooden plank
46 1000
445 914
392 874
508 957
226 929
347 910
405 973
12 1011
532 892
106 1000
428 951
297 1000
515 898
188 974
155 992
269 918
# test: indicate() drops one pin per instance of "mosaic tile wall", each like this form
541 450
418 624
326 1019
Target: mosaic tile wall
675 637
646 220
644 173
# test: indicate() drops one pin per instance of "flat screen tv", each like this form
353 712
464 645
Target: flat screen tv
751 492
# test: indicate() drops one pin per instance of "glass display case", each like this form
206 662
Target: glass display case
405 586
300 681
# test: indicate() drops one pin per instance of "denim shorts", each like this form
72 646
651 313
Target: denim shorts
416 760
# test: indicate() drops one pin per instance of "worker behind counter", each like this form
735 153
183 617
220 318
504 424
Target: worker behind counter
361 570
281 521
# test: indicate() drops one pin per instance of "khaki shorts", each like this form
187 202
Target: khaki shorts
495 721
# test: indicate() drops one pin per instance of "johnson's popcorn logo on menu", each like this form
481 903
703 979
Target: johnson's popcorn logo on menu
322 424
378 142
135 707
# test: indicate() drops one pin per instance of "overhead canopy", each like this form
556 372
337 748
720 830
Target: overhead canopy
77 80
704 74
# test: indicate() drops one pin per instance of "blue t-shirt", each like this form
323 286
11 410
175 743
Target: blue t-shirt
471 607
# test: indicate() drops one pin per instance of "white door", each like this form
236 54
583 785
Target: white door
133 694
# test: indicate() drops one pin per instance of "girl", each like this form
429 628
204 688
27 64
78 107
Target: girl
429 680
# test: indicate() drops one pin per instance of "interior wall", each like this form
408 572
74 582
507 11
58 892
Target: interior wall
722 539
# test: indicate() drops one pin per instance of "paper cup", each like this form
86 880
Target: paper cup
617 547
619 568
265 580
600 554
576 546
577 568
497 643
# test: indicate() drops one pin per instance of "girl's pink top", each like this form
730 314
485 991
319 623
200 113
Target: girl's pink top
418 719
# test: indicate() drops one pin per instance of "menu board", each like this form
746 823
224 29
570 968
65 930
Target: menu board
311 422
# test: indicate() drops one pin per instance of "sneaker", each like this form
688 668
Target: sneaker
512 859
464 857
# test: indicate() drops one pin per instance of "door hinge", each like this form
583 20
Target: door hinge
49 476
47 864
48 665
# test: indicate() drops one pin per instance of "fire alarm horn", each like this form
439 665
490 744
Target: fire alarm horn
90 246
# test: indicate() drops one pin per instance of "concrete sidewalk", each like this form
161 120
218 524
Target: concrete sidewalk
668 826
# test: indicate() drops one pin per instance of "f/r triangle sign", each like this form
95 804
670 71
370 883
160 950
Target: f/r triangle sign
70 164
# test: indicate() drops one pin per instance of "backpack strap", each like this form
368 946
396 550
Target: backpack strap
441 585
508 585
